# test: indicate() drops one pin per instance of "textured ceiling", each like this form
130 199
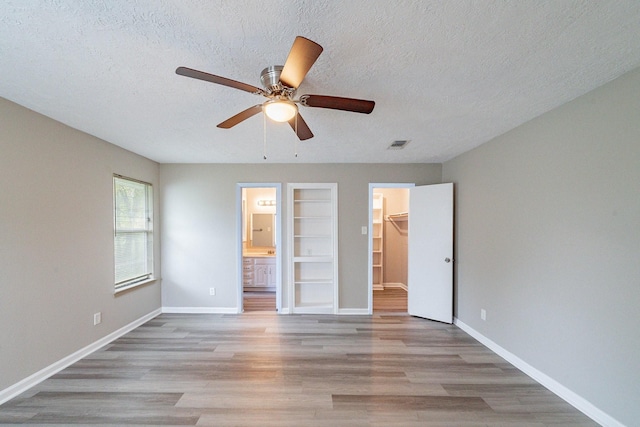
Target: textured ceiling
446 75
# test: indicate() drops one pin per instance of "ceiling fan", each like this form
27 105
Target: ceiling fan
280 85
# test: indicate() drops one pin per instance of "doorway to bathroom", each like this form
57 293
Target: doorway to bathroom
259 237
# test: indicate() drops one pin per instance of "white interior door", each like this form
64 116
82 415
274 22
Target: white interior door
430 275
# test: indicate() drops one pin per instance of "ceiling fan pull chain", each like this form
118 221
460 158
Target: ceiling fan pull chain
264 122
295 146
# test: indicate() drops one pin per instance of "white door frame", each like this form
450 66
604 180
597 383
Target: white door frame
278 188
370 238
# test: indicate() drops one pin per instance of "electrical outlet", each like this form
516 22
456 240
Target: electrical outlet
212 291
97 318
483 314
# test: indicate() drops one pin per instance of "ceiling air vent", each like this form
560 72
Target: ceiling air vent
398 145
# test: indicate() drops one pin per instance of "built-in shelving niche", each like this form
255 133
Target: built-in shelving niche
313 267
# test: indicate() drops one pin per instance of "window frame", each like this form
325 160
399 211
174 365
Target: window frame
148 276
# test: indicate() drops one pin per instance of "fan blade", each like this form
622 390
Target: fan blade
201 75
303 130
337 103
302 56
241 116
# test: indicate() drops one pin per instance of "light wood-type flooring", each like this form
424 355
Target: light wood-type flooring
265 369
390 300
258 301
387 300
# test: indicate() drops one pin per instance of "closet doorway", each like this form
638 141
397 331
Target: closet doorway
388 247
259 243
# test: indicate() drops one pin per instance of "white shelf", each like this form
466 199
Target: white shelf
314 282
313 258
313 243
377 239
312 217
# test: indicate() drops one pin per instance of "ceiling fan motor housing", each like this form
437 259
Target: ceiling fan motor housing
270 79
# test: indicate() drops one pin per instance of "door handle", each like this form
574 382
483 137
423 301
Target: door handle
447 260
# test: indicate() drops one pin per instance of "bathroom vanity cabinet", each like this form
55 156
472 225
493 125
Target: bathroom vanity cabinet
259 273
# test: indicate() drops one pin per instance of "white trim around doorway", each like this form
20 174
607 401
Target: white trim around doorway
278 187
370 238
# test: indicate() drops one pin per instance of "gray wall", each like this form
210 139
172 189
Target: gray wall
199 224
56 241
548 242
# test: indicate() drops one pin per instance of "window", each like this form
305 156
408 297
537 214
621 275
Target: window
133 231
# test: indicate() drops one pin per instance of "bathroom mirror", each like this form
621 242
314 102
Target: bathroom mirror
262 230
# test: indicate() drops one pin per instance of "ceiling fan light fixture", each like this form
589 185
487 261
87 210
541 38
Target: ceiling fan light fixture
280 110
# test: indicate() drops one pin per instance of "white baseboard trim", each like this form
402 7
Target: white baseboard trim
354 311
284 310
396 285
32 380
200 310
563 392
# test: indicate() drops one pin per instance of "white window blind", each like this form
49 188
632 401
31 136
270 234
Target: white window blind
133 231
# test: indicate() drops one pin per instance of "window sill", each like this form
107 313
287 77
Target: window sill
134 285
